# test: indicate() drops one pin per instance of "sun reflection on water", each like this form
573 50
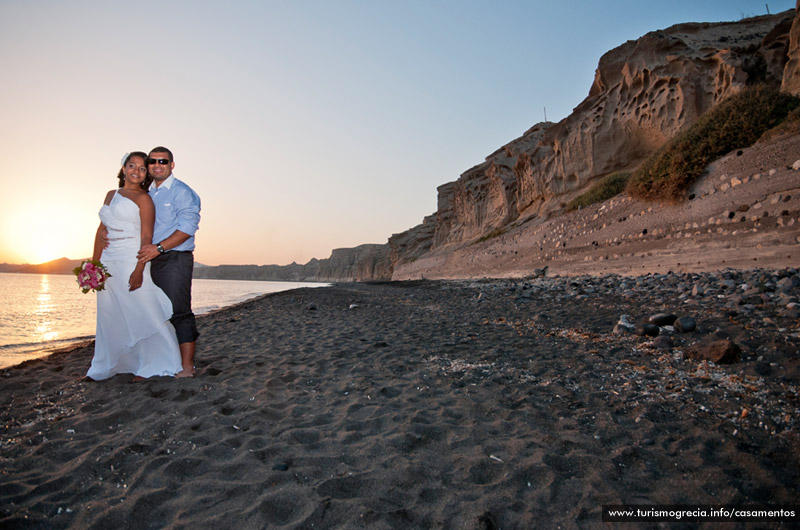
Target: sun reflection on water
44 308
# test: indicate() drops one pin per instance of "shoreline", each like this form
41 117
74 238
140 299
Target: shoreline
35 350
455 404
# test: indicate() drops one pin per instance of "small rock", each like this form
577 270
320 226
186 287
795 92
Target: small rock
796 165
663 342
719 351
685 325
662 319
735 300
624 325
647 329
787 284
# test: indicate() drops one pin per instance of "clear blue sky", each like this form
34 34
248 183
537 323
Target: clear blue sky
305 126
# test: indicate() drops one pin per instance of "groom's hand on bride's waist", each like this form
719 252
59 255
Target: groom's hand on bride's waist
103 235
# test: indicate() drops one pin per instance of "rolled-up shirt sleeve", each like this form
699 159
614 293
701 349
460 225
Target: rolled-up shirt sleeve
187 205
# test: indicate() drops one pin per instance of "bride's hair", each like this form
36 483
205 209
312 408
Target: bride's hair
147 179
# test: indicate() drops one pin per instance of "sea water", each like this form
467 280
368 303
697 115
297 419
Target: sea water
40 313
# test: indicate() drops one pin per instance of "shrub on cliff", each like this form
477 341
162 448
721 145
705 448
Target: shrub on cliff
737 122
791 125
608 187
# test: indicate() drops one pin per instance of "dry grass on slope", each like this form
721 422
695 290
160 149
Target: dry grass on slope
736 123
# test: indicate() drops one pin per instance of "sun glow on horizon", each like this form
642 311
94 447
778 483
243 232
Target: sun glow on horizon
43 232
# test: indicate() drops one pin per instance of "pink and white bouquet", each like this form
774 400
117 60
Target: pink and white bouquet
92 275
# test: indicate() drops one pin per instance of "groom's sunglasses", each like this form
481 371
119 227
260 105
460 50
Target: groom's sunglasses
162 161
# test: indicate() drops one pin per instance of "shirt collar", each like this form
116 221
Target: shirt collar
167 183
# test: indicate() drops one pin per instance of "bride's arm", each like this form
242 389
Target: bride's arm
147 213
98 242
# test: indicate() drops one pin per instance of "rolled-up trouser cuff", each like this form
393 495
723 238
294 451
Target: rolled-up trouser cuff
172 272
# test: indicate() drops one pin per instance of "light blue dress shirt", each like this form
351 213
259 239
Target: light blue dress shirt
177 208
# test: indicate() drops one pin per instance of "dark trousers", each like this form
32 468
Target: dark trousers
172 272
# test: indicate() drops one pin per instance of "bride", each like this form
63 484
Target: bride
134 334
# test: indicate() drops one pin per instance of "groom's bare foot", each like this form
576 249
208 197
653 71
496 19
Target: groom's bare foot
187 359
186 372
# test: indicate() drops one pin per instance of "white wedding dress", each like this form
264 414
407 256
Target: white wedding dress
134 334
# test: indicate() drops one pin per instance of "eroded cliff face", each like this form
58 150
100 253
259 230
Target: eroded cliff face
361 263
644 92
791 72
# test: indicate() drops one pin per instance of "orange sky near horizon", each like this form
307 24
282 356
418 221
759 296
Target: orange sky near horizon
304 126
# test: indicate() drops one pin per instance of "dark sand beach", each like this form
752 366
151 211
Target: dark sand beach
448 404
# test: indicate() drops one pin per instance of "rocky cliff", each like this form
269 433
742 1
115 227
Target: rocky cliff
644 92
791 73
362 263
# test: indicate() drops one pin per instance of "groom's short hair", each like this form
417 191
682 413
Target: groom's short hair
160 149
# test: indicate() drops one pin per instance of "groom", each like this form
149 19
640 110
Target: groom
170 254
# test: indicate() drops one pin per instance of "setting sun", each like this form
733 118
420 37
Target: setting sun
44 232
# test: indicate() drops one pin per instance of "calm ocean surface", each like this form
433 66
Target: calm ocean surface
43 312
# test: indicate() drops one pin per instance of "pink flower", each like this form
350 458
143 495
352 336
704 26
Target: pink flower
92 276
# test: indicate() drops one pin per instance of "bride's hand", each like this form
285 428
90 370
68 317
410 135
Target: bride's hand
135 280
